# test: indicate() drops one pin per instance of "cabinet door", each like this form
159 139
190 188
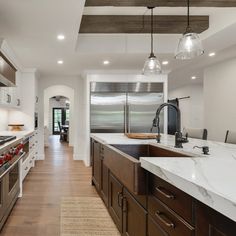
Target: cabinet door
5 96
104 183
212 223
115 201
134 216
96 165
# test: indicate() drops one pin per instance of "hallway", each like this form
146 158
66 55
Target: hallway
37 213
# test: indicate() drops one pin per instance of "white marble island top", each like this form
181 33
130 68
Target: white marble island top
209 179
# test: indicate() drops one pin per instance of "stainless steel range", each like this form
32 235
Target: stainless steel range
10 156
4 139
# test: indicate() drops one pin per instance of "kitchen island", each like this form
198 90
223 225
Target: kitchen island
208 179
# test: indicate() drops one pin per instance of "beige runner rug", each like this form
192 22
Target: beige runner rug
86 216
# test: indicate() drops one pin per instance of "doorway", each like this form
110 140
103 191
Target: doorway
60 116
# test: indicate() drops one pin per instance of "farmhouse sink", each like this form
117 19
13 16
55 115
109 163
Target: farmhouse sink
123 161
146 150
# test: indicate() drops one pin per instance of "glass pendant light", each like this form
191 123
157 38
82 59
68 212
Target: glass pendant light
152 64
190 44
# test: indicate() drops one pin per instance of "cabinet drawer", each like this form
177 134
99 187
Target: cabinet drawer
168 220
174 198
25 167
154 229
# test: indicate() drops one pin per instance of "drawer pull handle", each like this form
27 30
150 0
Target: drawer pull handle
161 216
164 193
119 199
125 207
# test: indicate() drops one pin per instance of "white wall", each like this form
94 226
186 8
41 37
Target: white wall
192 109
64 86
3 119
220 99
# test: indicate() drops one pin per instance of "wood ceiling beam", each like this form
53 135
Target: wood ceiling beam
161 3
111 24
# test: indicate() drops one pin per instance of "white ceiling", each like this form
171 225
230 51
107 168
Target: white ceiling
31 28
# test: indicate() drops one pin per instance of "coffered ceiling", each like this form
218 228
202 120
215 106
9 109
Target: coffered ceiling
131 24
31 28
162 3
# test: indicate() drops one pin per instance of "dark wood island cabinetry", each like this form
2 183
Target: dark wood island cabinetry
160 210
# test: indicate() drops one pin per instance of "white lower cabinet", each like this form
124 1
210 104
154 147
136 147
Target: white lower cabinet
29 161
25 168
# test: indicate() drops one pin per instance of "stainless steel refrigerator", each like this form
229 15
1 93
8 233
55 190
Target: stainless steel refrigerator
124 107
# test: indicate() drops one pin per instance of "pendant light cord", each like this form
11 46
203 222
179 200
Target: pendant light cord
152 32
188 14
188 29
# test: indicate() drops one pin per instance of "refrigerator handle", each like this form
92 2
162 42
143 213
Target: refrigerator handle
128 118
125 119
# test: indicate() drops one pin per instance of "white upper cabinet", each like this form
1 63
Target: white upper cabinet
11 96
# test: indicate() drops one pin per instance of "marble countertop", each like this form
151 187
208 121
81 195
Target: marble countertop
209 179
19 136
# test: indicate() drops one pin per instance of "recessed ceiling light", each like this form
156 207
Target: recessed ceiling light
106 62
165 63
60 62
60 36
193 77
211 54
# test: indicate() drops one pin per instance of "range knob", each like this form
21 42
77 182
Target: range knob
12 151
7 157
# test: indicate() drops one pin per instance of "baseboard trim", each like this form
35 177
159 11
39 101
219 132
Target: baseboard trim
78 157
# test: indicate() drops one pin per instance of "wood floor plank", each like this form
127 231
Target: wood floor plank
58 176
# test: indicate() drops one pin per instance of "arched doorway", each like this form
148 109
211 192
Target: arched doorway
61 96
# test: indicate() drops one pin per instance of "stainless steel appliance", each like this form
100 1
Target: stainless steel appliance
4 139
124 107
7 72
9 177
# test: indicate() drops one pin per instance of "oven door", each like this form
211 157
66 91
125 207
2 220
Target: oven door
12 184
26 148
2 197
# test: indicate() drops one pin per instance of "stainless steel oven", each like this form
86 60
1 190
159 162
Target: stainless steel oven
26 148
10 178
13 183
2 200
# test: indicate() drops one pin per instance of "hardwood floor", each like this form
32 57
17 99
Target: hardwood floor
38 211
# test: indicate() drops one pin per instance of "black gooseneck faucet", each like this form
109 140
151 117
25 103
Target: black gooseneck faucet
178 135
